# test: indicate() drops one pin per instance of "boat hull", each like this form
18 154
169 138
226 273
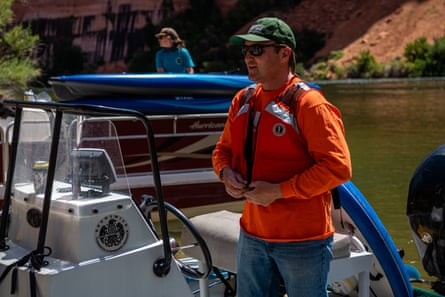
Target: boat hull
388 276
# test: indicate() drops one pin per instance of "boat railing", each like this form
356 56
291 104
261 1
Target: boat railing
5 155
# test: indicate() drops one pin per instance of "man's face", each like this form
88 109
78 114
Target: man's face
262 60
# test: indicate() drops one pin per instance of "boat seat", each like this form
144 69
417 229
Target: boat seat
220 230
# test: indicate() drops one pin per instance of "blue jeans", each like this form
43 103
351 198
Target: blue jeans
302 266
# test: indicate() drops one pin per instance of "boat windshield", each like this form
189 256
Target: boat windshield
89 163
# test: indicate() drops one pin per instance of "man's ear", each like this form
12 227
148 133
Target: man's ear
286 53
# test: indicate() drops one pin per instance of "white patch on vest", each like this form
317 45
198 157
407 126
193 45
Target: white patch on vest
279 129
303 86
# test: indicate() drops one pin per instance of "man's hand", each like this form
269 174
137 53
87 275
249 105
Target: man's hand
263 193
234 183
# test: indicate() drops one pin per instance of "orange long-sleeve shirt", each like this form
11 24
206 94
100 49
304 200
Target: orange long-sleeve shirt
304 150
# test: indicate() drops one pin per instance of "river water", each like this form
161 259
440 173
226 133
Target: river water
391 126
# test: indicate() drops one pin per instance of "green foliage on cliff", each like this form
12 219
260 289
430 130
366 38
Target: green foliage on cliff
421 59
17 66
364 66
426 59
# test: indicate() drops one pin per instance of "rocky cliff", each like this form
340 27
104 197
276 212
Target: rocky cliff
110 30
383 27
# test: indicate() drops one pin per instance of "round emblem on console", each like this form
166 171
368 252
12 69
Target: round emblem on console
34 217
111 233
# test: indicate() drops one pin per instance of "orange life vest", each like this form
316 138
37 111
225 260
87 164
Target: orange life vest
279 152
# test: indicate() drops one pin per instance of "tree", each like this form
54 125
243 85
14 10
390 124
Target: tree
17 65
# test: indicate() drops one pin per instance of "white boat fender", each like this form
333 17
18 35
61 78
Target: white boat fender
348 286
345 287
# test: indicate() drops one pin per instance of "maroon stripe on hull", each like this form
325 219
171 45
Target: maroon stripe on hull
175 124
182 144
171 154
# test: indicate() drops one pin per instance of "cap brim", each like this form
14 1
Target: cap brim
160 34
240 39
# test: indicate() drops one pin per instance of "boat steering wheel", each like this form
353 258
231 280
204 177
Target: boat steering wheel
188 268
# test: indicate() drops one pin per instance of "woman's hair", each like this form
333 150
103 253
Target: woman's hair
168 31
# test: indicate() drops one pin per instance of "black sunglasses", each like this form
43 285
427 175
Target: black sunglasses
257 50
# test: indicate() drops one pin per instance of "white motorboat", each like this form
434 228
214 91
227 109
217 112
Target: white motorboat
66 231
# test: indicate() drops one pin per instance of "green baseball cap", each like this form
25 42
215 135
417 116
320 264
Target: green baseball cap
266 29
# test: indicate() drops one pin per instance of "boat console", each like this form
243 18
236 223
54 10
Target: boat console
64 231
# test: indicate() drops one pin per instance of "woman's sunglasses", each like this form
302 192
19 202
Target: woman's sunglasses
258 49
161 36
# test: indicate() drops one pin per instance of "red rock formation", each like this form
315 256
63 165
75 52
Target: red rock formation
111 30
107 31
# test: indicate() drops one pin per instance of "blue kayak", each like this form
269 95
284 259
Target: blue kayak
147 86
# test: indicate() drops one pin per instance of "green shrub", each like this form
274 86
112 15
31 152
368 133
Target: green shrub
416 68
17 65
336 55
419 49
397 68
438 57
15 73
421 60
337 70
365 66
319 71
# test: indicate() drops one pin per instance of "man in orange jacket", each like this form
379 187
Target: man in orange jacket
283 149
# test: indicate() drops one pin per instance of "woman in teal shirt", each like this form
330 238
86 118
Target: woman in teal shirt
173 56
